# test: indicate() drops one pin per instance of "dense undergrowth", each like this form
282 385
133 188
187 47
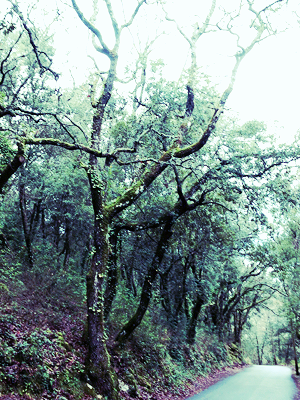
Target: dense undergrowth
43 346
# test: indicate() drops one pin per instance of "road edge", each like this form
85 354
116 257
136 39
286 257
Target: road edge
296 379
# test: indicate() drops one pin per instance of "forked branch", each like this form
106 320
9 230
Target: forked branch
36 51
104 48
127 24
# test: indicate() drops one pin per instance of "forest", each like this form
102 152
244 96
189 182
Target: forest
147 235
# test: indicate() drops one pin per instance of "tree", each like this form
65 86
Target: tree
21 72
121 178
286 249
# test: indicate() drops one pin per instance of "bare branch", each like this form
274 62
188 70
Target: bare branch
177 26
20 87
214 203
200 31
33 114
104 49
141 64
191 149
78 127
239 56
112 18
6 111
264 9
133 15
97 68
5 59
37 52
179 187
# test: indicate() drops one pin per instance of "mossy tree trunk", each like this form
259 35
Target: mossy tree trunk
12 167
146 294
25 223
99 367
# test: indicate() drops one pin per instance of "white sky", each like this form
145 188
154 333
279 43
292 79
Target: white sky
268 83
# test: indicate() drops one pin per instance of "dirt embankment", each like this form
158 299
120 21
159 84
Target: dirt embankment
189 388
205 382
296 379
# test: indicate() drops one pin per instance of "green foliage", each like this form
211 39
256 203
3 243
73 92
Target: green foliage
38 361
10 275
208 273
7 27
2 98
6 151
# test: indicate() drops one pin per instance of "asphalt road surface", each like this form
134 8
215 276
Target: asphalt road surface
258 382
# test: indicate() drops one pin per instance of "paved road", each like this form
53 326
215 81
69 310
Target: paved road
253 383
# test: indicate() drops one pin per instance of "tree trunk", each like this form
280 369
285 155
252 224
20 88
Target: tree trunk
112 276
35 217
273 345
56 227
238 326
258 352
26 228
98 361
287 353
191 332
129 270
146 294
12 167
66 248
295 354
43 224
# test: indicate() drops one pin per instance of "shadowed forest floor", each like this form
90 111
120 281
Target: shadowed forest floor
297 383
42 351
191 388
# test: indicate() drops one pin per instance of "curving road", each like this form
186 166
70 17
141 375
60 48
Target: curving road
258 382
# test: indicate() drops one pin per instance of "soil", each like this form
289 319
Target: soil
296 379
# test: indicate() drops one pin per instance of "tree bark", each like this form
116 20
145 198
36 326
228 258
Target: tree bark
294 349
191 332
258 351
238 326
26 227
98 361
12 167
295 358
112 276
146 294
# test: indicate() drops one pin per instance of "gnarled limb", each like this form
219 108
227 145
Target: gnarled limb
66 145
146 294
104 48
12 167
36 51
